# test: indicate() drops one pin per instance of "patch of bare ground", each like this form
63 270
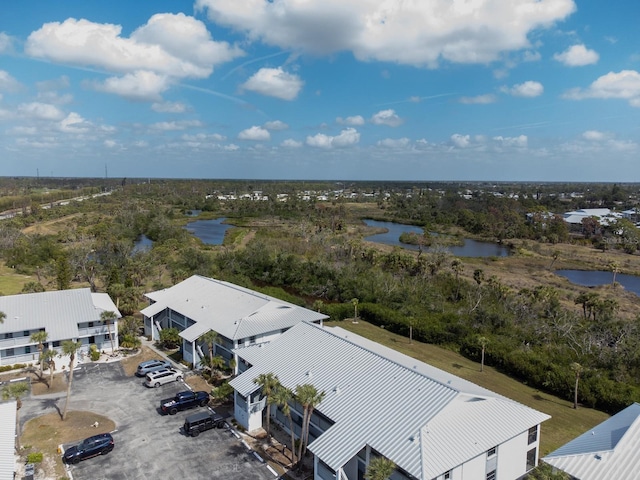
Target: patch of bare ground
46 433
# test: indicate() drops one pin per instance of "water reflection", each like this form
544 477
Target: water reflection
211 232
595 278
471 248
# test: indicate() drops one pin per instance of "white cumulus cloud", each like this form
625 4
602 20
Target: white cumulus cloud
520 141
420 33
577 56
527 89
291 143
460 141
624 84
353 121
74 123
387 117
8 83
179 125
594 135
167 47
347 137
274 82
276 125
255 133
40 111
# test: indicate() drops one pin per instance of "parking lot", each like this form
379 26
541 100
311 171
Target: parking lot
148 445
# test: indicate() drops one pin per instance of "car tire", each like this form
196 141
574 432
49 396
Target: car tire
156 385
203 403
173 411
195 433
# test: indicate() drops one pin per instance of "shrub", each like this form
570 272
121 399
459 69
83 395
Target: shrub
94 353
34 457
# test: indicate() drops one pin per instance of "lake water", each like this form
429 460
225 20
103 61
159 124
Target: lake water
594 278
471 248
142 244
210 232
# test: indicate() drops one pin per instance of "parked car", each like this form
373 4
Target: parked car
199 422
90 447
160 377
184 400
152 366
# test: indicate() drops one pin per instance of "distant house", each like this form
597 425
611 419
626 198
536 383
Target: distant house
379 402
238 315
604 216
608 451
63 314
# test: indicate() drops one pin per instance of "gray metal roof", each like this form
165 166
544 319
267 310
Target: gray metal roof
234 312
609 450
7 439
58 312
401 407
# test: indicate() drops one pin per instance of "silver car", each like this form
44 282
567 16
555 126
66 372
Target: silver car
152 366
160 377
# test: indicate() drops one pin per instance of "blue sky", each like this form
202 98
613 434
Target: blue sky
525 90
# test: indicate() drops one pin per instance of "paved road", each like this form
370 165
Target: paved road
147 445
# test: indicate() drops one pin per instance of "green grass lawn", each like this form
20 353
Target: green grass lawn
11 282
565 423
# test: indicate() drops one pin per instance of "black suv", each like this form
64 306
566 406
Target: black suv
90 447
199 422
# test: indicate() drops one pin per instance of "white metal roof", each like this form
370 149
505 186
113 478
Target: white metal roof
58 312
399 406
609 450
7 439
234 312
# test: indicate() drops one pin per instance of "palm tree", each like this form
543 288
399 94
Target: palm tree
210 338
108 317
40 338
268 383
355 302
17 391
615 268
282 396
308 396
48 356
577 369
69 347
483 342
380 468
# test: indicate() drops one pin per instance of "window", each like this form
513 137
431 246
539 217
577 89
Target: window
252 339
10 352
8 335
491 452
491 475
90 324
56 344
27 349
26 333
533 434
447 475
531 459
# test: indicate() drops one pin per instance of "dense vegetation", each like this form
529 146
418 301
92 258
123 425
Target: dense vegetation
311 252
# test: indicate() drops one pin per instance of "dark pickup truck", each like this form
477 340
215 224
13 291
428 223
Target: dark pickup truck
184 400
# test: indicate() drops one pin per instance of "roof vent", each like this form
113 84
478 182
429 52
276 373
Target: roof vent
309 374
337 390
598 457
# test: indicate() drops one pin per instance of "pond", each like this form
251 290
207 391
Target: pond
595 278
142 244
210 232
471 248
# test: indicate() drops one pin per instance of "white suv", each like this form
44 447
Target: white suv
160 377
